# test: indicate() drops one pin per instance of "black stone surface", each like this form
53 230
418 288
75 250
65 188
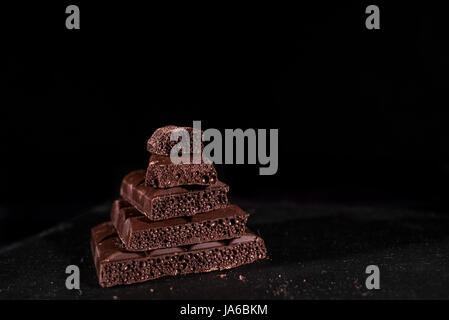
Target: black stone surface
316 252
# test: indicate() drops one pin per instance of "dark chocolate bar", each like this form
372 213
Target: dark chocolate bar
116 266
160 143
160 204
140 234
163 173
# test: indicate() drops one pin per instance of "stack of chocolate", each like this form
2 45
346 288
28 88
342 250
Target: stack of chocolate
172 219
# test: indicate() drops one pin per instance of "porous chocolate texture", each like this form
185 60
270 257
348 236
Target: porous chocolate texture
116 266
140 234
160 143
163 173
161 204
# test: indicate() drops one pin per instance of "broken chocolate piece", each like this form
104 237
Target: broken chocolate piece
160 204
115 266
138 233
192 170
160 143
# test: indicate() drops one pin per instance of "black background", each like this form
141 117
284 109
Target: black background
361 113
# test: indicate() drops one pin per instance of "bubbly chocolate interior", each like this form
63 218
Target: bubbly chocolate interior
160 143
138 233
117 266
109 247
160 204
192 170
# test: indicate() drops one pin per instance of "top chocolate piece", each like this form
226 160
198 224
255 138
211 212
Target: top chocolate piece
160 142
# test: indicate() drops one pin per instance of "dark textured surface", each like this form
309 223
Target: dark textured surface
317 251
